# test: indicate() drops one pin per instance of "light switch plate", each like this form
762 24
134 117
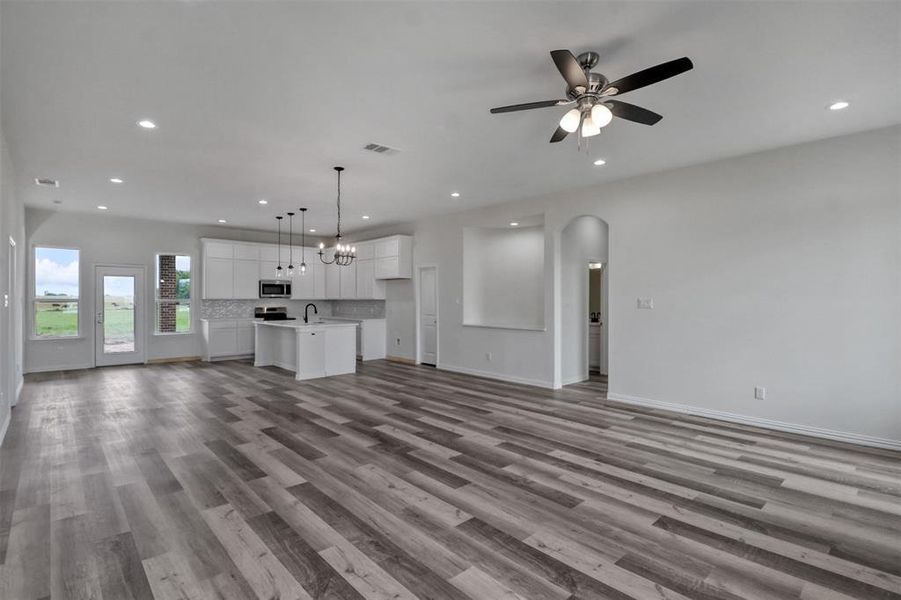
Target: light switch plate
646 303
760 393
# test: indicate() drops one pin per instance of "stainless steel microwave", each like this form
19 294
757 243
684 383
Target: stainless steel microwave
273 288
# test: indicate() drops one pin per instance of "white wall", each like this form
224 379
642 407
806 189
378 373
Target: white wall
12 225
108 239
779 269
584 240
503 277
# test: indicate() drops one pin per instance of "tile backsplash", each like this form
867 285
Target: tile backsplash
243 309
362 309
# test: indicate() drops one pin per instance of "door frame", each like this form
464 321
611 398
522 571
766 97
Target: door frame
417 294
140 311
13 327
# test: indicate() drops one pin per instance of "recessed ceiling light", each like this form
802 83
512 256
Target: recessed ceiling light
263 202
101 207
115 180
365 217
147 124
600 162
312 231
838 105
223 221
455 194
514 224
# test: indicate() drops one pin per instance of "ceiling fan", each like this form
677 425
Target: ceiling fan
592 94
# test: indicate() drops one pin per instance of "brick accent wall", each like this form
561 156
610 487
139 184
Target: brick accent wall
168 282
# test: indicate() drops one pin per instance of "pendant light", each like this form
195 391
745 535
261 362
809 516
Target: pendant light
303 241
344 255
279 272
290 271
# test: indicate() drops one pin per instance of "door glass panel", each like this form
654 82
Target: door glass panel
118 314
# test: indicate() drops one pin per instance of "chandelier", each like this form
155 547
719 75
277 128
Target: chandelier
344 255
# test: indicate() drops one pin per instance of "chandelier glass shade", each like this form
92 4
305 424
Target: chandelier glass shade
303 242
344 254
279 272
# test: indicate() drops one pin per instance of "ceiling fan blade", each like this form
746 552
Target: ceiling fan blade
559 135
630 112
528 106
570 69
650 76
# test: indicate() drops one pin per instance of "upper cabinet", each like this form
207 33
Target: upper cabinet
232 270
393 257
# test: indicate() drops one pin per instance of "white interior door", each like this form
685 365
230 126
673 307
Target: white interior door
12 334
428 315
119 316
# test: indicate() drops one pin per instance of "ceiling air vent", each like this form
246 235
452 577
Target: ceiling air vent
46 182
380 149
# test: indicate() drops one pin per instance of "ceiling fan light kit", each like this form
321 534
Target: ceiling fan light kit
592 94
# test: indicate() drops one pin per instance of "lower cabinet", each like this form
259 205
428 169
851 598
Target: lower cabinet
311 354
227 338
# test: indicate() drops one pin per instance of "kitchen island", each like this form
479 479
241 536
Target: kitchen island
310 350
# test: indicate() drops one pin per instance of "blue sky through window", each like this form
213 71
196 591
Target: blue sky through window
55 272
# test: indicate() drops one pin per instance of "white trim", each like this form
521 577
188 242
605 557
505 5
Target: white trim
5 426
417 301
576 379
50 368
499 376
19 387
819 432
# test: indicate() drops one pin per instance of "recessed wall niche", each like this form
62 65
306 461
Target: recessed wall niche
503 276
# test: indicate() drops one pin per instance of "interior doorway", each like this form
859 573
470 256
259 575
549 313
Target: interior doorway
584 306
597 310
428 315
119 316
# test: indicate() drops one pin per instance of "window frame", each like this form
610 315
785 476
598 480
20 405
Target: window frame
157 300
33 298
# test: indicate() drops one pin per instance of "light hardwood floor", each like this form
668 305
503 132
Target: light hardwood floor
197 480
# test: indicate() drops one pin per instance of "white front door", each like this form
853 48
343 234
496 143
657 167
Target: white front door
428 315
119 316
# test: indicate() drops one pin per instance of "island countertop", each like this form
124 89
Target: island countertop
302 325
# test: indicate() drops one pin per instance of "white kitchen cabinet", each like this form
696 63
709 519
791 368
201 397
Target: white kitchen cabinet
267 269
218 278
340 350
394 257
269 252
244 331
247 252
368 287
311 354
247 279
347 275
219 249
332 280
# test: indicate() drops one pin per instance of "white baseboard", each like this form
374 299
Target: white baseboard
49 368
819 432
5 426
498 376
575 379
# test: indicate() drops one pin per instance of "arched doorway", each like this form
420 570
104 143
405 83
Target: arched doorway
584 312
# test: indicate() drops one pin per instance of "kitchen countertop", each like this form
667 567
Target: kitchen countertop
353 318
301 324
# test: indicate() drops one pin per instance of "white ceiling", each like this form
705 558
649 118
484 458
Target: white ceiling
260 99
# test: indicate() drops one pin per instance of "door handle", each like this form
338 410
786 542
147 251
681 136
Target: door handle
100 318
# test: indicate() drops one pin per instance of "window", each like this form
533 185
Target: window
55 300
173 293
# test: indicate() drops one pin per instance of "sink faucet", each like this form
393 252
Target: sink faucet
306 318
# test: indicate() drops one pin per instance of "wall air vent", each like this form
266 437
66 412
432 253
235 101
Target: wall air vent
46 182
380 149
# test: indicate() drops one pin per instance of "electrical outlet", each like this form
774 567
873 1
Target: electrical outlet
760 393
646 303
488 356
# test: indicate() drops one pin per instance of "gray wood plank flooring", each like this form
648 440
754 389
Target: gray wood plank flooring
196 480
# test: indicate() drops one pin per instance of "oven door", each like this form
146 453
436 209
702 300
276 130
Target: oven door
274 289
